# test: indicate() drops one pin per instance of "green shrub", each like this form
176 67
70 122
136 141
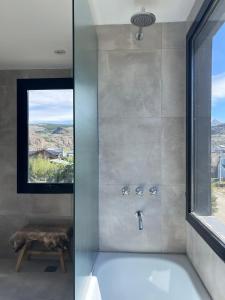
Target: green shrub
43 170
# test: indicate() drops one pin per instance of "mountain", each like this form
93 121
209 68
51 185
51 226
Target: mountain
217 135
59 130
218 129
215 122
43 136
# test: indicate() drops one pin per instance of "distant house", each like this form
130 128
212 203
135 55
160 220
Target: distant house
46 153
69 154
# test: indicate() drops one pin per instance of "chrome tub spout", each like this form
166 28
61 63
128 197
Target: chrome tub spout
139 215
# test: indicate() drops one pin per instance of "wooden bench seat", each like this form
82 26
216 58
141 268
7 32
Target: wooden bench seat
55 239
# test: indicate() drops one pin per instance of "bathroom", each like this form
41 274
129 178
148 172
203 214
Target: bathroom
112 127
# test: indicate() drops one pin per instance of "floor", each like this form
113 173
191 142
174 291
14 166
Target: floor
33 283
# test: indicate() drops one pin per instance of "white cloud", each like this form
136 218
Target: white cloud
50 106
218 87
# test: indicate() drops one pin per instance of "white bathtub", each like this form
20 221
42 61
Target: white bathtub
118 276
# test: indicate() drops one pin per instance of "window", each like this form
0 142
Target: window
206 125
45 136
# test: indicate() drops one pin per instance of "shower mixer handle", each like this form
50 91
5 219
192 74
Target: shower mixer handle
139 190
125 190
153 190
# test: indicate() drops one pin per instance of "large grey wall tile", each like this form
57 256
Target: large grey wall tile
174 35
117 236
174 200
137 163
129 131
8 225
130 150
209 266
174 83
9 203
130 83
8 110
217 285
173 203
173 151
173 235
8 179
118 224
118 37
50 205
8 77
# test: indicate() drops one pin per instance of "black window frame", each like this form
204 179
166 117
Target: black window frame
24 85
211 239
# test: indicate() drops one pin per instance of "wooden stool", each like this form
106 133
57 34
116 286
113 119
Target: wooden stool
54 238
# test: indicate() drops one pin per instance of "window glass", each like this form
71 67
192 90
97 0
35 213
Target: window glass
50 136
218 125
208 122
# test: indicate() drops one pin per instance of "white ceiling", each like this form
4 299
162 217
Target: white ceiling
30 31
120 11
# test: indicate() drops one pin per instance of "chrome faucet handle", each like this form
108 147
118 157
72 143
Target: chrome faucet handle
153 190
125 190
140 190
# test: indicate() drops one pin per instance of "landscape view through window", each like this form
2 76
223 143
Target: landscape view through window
218 125
50 129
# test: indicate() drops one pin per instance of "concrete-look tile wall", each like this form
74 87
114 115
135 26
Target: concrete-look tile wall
209 266
18 209
142 137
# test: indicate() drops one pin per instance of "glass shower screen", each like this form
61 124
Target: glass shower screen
86 145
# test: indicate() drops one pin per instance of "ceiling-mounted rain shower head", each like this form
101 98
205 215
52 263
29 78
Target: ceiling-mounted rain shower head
142 19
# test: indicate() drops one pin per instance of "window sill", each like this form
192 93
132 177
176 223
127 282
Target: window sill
206 227
215 225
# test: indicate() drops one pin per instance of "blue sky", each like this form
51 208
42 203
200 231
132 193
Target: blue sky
51 106
218 75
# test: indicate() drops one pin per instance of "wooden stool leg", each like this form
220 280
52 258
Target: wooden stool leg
20 257
62 262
